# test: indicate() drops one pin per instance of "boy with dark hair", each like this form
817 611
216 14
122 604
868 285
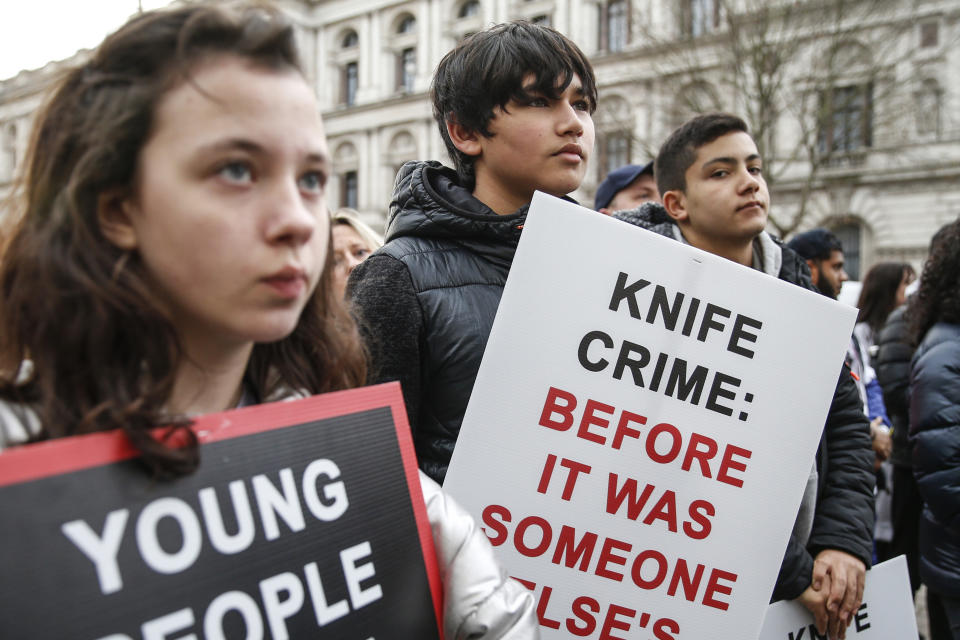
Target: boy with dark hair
715 198
823 254
514 105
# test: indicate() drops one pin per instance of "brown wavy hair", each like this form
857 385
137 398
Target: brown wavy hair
81 310
938 298
878 295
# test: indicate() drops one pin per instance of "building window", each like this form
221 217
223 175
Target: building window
929 34
350 40
847 119
407 25
849 234
348 190
928 108
469 9
614 25
614 152
700 17
350 81
406 69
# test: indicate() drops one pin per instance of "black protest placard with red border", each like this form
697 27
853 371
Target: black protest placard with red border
304 519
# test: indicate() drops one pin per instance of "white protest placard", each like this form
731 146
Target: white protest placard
886 613
642 428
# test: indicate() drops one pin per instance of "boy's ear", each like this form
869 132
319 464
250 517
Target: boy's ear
467 141
114 209
675 202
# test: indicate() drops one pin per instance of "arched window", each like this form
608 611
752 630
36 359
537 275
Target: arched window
849 234
404 51
407 24
614 25
469 9
350 40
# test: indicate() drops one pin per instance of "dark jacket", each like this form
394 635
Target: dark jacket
935 435
844 516
425 301
892 365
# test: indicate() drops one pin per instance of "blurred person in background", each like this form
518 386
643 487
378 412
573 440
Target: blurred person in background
627 188
823 253
884 289
934 318
353 241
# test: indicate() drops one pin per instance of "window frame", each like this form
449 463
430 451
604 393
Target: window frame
846 128
606 41
349 83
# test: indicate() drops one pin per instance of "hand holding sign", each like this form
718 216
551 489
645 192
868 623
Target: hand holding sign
841 575
885 613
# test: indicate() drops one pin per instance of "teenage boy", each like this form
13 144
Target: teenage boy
514 106
715 198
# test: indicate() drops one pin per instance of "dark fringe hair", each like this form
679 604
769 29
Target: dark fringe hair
878 295
487 70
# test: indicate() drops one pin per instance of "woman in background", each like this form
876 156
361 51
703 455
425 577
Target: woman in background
934 315
171 258
884 289
353 241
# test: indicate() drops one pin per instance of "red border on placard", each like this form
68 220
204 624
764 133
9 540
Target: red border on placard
65 455
409 456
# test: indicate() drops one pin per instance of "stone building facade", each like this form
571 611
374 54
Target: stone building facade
860 129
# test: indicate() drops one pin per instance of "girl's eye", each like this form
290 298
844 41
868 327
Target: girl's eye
756 170
313 181
361 253
236 172
581 105
538 102
719 174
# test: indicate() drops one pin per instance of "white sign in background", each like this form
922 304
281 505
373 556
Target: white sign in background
640 466
886 613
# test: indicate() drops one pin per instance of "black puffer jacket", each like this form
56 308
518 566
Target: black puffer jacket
892 364
844 514
935 434
425 302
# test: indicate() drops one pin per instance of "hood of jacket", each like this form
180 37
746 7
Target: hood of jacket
429 202
775 259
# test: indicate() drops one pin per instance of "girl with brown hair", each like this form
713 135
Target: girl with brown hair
171 257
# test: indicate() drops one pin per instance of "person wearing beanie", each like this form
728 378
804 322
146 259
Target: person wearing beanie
627 188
